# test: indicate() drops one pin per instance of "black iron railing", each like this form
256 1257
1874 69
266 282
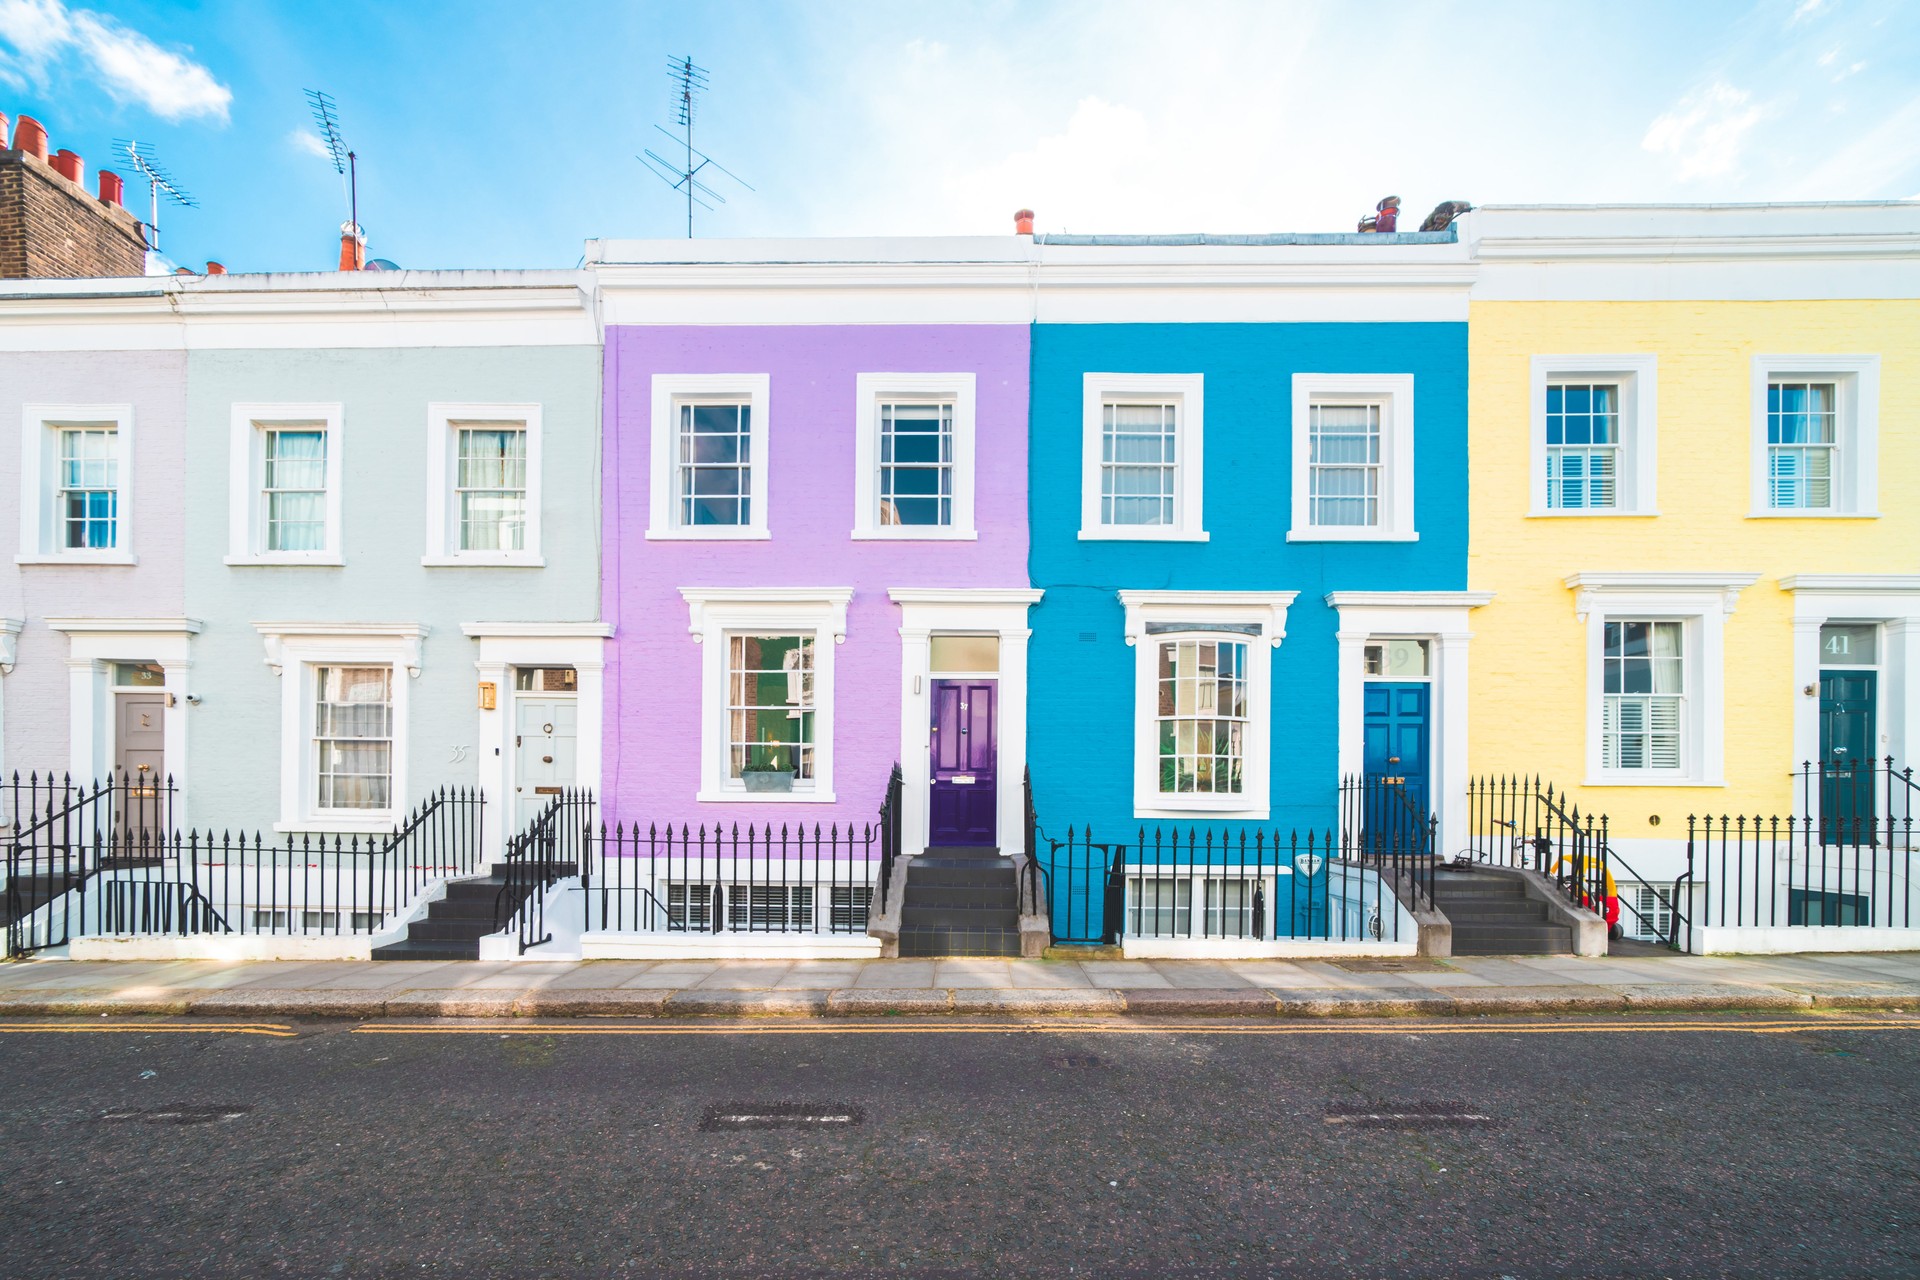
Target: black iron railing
1384 826
749 880
1771 872
1032 899
1220 884
1857 802
1526 823
890 825
548 851
103 863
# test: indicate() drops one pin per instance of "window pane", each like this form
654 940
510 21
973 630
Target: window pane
770 716
916 463
1201 713
1802 436
295 483
1645 683
715 464
1849 644
87 506
1344 465
965 653
490 483
353 737
1138 443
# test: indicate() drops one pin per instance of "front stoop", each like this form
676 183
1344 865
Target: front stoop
960 902
1499 912
454 925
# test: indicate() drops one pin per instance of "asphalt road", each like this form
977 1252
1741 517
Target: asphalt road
1461 1148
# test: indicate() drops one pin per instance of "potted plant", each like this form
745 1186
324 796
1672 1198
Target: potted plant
767 769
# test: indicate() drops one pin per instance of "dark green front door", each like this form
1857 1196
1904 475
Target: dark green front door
1847 745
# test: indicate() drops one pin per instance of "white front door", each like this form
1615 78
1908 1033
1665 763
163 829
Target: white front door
544 748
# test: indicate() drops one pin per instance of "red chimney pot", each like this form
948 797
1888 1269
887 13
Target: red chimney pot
31 137
353 248
183 271
1023 223
215 268
112 190
3 131
69 166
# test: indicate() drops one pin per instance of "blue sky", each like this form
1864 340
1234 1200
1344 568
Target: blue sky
504 134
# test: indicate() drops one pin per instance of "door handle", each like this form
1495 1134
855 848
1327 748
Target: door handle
546 759
1393 759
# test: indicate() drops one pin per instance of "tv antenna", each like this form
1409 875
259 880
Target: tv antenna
159 182
689 82
326 118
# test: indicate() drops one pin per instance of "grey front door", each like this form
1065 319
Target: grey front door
545 741
140 741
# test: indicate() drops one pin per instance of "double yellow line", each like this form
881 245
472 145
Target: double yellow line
275 1029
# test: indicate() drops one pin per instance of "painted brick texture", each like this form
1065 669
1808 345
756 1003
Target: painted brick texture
652 761
154 383
1528 699
1081 712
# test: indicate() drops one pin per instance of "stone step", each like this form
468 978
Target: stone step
937 941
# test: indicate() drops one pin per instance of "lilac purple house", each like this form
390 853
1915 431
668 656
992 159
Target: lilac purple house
815 554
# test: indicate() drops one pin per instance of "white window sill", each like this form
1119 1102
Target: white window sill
1163 809
1596 513
1649 780
709 533
321 559
95 557
1143 533
914 533
743 796
481 560
1343 535
364 822
1812 513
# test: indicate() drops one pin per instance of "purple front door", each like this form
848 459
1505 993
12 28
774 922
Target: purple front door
965 734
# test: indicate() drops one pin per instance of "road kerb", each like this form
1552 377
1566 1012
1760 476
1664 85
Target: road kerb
263 1002
586 1002
747 1004
1357 1002
869 1002
1715 998
1023 1000
1215 1002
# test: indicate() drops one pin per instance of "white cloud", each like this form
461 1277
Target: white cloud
1867 167
37 29
303 140
1853 70
130 66
1705 131
1826 59
1808 10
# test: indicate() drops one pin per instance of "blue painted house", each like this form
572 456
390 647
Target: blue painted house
1249 521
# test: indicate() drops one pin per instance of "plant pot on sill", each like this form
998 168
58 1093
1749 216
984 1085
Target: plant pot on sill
766 780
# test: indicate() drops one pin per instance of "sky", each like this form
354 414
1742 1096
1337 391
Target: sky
495 134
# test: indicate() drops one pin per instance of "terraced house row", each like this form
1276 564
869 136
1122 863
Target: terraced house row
1191 595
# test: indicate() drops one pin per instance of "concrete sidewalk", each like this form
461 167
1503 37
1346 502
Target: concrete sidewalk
1269 988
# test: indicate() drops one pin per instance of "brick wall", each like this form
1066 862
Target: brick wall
53 228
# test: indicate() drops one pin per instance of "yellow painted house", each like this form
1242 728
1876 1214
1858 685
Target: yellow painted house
1695 447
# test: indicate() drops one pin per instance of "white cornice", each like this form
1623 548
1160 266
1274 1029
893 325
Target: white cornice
1408 599
965 595
9 636
1854 583
538 630
704 603
1268 608
126 626
406 637
1589 587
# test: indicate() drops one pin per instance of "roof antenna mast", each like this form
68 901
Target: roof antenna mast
326 119
159 183
689 82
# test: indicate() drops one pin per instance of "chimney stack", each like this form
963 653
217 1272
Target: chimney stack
353 247
30 137
1023 223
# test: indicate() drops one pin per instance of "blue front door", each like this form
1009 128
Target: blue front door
965 746
1396 737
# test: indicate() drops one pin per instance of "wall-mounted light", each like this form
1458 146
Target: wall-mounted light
193 699
489 695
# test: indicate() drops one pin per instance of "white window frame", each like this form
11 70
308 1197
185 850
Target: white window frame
1267 609
663 511
1188 393
1394 393
1637 471
1702 601
294 651
39 481
870 391
714 613
246 512
1856 479
443 461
